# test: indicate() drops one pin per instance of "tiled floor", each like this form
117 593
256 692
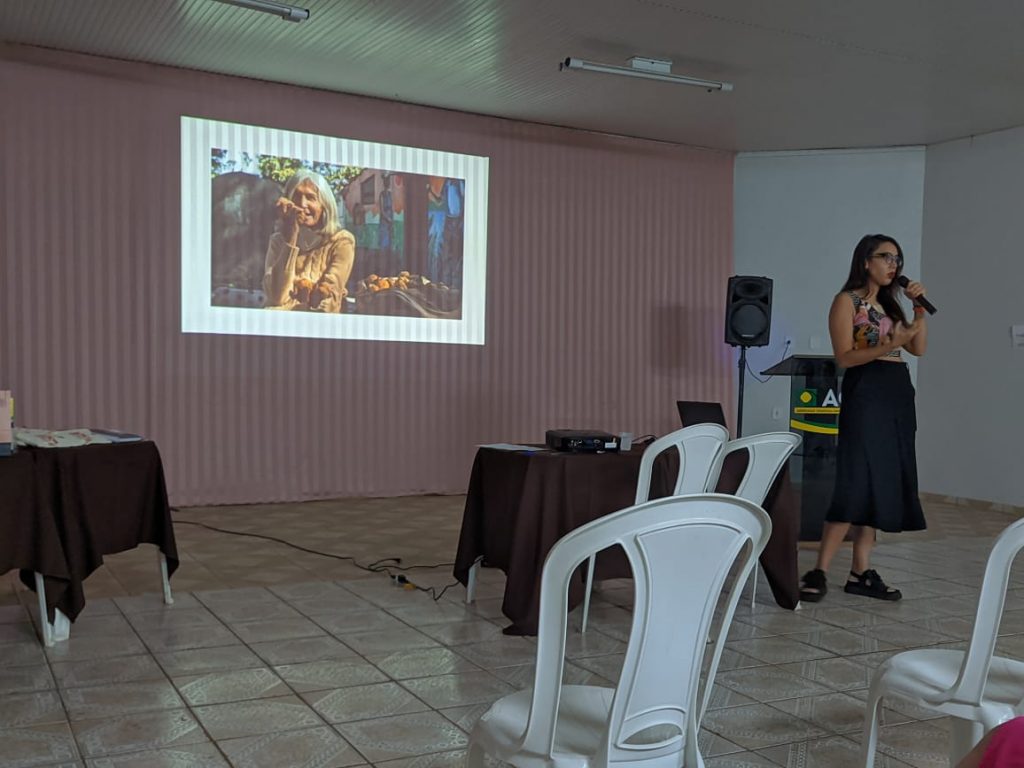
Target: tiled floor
275 657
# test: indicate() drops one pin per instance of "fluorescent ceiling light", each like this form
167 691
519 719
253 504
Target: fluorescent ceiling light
285 11
650 69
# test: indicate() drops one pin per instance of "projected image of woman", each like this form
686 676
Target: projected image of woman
309 258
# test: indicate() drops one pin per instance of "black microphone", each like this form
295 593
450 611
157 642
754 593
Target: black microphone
904 281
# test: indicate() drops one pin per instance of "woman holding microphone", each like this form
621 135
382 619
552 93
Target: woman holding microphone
876 463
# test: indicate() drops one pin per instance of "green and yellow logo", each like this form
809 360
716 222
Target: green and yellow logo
813 413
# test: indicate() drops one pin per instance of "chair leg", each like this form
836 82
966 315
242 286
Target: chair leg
753 587
474 569
965 735
869 741
475 755
586 594
168 597
692 758
61 628
44 620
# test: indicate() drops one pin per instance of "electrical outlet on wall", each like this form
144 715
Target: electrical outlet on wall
776 413
1017 334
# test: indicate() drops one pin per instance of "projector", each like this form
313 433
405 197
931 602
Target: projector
581 441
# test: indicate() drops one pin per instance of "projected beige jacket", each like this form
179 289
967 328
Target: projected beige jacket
329 265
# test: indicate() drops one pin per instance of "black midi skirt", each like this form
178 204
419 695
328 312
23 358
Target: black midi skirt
876 462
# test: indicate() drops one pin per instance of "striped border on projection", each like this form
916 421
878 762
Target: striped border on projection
199 136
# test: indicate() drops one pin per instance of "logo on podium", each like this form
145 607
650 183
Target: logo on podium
814 412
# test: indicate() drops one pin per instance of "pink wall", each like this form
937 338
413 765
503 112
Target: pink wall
607 265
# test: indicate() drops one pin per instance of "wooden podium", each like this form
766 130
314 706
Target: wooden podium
814 414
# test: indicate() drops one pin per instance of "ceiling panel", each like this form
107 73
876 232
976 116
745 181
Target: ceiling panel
806 74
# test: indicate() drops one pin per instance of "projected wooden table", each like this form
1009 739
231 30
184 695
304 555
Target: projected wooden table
519 504
63 509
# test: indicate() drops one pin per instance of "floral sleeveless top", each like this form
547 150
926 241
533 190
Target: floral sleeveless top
870 325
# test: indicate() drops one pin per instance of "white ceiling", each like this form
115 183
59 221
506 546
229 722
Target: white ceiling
808 74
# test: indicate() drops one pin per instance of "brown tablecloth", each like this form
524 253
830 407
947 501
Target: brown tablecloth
519 504
63 509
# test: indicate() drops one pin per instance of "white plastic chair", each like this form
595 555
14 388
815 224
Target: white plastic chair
700 461
978 689
653 716
60 628
768 454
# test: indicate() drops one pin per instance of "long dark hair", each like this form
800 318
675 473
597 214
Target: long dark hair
888 295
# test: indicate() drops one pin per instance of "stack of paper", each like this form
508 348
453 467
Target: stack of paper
70 438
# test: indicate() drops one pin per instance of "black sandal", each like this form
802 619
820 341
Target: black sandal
814 586
870 584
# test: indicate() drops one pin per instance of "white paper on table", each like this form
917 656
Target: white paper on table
57 438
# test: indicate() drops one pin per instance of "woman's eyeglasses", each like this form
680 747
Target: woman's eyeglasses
892 259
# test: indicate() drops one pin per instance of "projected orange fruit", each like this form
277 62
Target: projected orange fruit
301 289
319 294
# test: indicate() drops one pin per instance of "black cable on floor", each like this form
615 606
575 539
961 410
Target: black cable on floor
374 567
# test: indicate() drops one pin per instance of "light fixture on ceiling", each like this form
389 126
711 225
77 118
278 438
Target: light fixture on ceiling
650 69
283 10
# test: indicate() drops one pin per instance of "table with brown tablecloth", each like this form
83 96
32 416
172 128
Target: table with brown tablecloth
520 503
63 509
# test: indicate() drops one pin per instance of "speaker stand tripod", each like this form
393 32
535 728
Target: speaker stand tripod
743 376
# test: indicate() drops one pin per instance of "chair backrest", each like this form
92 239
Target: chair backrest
686 546
970 683
768 453
700 450
698 412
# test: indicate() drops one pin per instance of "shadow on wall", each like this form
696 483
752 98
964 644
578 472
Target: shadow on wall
243 221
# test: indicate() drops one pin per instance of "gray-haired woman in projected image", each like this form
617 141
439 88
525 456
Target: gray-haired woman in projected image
309 258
